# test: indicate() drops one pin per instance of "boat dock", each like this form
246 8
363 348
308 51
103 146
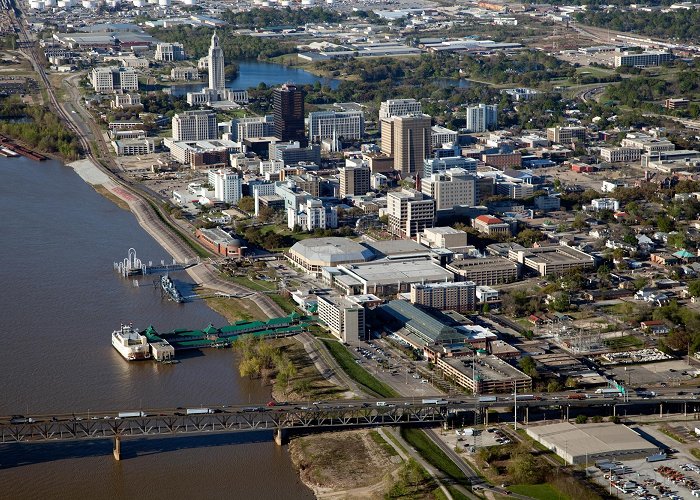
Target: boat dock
133 266
165 345
9 149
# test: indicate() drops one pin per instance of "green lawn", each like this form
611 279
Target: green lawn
286 304
432 453
356 372
257 285
538 491
624 343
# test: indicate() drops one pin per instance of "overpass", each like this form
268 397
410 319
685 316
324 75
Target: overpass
284 418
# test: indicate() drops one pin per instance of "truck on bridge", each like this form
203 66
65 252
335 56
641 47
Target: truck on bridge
435 401
610 392
131 414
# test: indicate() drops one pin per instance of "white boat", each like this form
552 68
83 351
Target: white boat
130 343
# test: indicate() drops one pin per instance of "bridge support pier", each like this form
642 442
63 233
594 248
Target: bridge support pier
614 410
567 413
661 410
527 415
117 450
281 437
486 417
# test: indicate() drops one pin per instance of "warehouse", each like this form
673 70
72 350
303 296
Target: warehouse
581 444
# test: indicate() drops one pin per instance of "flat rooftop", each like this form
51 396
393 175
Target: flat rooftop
386 272
490 368
396 248
557 254
484 264
591 439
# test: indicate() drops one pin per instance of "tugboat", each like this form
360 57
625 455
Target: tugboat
130 343
169 287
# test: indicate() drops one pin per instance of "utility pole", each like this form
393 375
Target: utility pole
515 406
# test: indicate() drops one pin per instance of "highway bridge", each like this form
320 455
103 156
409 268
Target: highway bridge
283 418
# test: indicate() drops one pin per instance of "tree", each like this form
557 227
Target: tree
694 288
553 386
581 419
246 203
528 366
266 214
525 468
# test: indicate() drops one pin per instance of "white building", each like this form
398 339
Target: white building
195 126
187 73
482 117
410 212
111 78
344 318
227 185
450 188
620 154
436 165
241 129
643 59
170 52
133 147
122 100
605 204
217 78
336 125
442 135
312 215
450 296
399 107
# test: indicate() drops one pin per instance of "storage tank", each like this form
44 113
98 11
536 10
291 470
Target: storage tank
139 3
164 3
189 2
307 2
49 3
89 4
285 3
36 5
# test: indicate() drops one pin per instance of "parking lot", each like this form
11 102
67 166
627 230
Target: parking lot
660 374
392 368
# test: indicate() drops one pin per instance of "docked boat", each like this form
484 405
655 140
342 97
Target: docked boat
130 343
169 287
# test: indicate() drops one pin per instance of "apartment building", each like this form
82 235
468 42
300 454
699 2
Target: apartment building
485 271
482 117
457 296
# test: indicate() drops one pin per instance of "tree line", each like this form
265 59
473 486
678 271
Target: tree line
266 18
679 24
38 127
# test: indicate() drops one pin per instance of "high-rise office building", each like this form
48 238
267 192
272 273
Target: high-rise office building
217 77
354 178
450 188
336 125
482 117
410 212
227 185
288 110
169 52
195 126
407 140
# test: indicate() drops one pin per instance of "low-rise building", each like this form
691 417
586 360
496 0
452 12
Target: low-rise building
219 241
566 135
484 374
620 154
643 59
556 259
312 254
488 224
444 237
485 271
134 147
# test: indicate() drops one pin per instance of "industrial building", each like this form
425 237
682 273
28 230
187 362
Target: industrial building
586 444
485 271
556 259
314 253
484 374
344 318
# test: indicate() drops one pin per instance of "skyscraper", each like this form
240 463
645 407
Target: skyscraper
217 78
407 139
288 110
